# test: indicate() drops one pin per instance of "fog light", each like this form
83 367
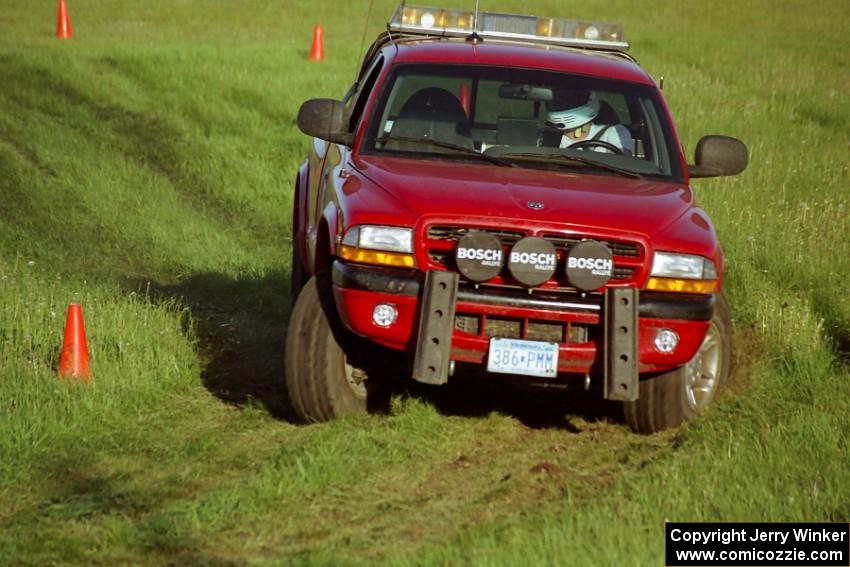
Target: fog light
385 315
666 341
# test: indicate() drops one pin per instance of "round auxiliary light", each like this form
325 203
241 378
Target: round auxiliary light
590 264
532 261
384 314
666 341
479 256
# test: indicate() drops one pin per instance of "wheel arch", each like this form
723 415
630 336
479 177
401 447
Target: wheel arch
299 209
326 238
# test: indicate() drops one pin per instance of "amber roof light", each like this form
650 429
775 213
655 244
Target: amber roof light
431 21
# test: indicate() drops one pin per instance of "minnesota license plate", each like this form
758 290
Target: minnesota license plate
529 358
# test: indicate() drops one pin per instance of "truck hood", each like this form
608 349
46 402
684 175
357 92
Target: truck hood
449 188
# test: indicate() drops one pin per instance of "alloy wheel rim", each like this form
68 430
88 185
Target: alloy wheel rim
702 373
357 387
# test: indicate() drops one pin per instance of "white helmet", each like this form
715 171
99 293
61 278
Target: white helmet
570 109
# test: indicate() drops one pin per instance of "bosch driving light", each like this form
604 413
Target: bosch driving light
384 315
514 27
682 273
383 245
665 341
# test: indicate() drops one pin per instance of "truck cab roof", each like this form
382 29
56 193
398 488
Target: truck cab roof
606 64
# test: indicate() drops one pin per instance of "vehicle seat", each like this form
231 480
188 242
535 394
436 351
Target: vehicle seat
516 131
607 115
433 113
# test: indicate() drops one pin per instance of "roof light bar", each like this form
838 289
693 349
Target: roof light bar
431 21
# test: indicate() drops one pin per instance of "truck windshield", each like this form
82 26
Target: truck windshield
529 118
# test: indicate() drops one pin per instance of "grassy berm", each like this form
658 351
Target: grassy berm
146 171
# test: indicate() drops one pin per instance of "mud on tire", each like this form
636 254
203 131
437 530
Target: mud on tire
320 379
669 399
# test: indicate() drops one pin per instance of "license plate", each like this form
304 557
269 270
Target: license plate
529 358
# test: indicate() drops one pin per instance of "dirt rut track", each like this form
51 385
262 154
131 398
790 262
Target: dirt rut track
494 452
486 471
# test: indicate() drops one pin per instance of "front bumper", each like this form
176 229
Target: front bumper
359 288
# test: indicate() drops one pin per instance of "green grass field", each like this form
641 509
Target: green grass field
146 171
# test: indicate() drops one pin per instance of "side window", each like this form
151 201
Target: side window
653 134
362 95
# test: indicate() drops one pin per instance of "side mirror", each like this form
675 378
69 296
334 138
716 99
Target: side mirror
326 119
719 155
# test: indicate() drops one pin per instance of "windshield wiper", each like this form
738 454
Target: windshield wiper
447 146
543 158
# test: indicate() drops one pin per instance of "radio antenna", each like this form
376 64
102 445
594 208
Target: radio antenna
366 28
474 38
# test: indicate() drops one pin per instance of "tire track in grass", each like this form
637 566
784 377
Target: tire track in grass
481 470
444 462
153 140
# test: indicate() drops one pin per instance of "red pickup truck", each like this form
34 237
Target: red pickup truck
505 195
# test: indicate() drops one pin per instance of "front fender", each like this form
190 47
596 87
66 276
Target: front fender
323 246
692 233
299 201
330 221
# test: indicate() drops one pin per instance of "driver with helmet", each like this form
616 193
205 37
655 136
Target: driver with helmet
573 113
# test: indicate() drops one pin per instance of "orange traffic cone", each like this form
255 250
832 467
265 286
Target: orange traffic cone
63 28
74 360
317 51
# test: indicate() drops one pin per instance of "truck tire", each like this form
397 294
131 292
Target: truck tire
669 399
321 382
297 277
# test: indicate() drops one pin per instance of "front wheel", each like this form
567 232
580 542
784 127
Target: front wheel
321 381
670 399
297 276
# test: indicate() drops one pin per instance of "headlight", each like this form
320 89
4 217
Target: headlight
685 273
389 238
386 245
667 265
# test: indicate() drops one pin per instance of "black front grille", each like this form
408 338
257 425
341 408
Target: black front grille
511 237
626 249
446 259
440 243
454 233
